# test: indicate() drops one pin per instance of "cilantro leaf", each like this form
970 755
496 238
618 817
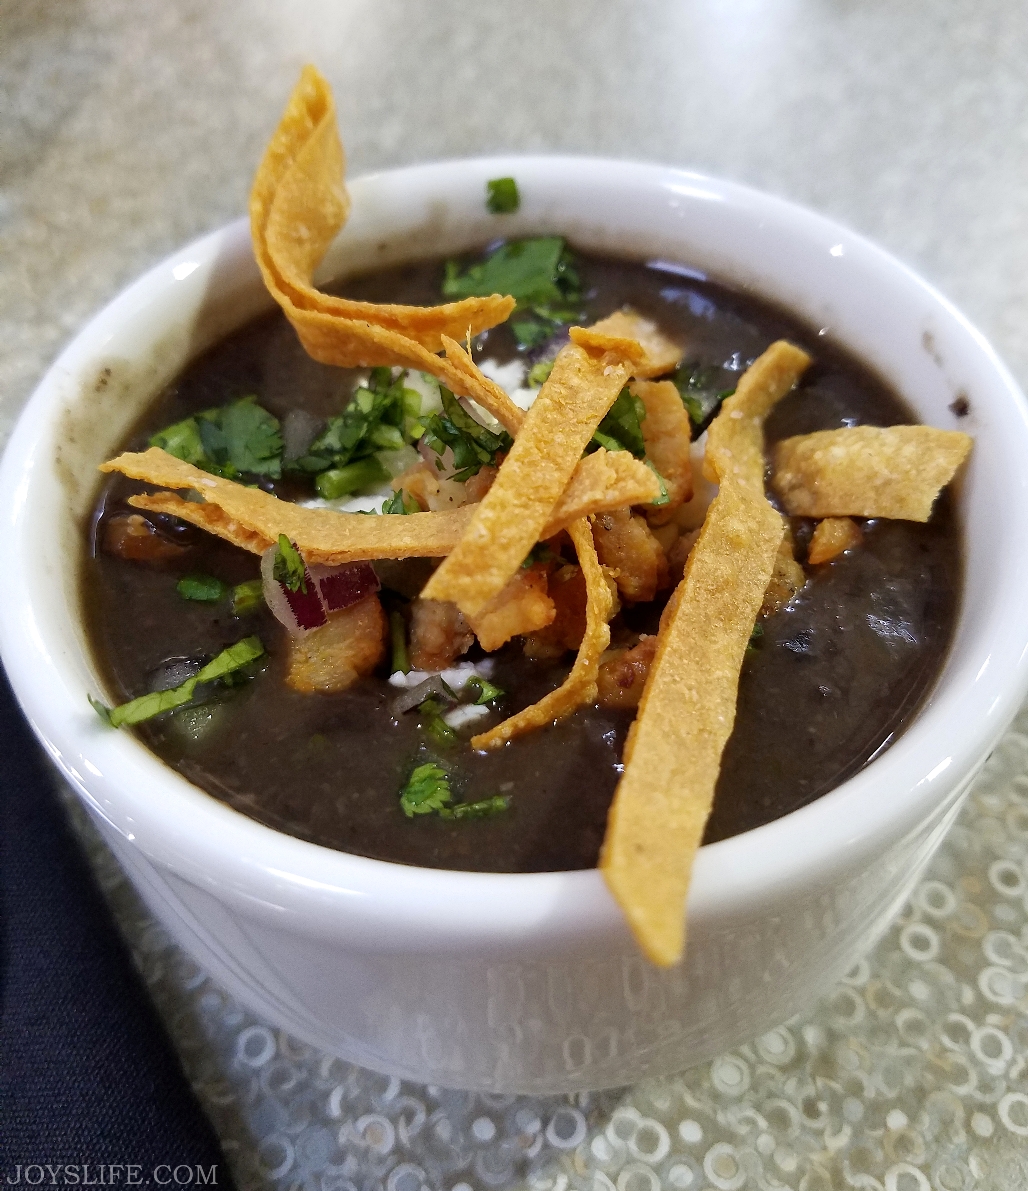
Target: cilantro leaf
485 809
431 711
664 497
536 273
540 373
221 667
247 597
485 690
426 790
697 387
289 566
240 438
204 588
473 446
621 428
401 503
502 197
540 552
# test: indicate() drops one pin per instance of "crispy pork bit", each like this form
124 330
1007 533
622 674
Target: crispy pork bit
625 544
623 674
439 634
522 606
565 632
131 536
786 579
333 657
832 537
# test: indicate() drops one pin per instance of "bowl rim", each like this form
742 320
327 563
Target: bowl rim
284 877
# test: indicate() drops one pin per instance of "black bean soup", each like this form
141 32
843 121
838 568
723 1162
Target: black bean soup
832 681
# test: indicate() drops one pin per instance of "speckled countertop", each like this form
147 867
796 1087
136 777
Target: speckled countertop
127 129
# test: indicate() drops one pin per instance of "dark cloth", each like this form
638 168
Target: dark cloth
87 1073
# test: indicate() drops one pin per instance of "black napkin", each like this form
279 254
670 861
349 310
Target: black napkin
87 1073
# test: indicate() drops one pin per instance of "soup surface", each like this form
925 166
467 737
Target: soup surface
835 676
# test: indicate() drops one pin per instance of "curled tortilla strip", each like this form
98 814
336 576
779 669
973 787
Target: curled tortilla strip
298 204
580 685
252 519
660 354
687 709
480 388
515 511
867 471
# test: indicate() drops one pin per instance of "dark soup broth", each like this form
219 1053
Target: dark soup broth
827 684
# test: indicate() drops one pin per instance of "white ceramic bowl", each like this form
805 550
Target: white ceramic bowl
523 982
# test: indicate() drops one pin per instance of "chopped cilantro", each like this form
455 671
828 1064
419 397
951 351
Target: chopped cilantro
484 689
540 552
382 415
502 197
431 711
664 497
540 373
531 332
702 399
755 636
539 274
289 566
204 588
485 809
341 481
147 706
401 503
240 438
247 597
398 641
621 429
473 446
426 790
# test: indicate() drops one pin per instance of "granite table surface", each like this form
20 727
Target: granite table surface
127 129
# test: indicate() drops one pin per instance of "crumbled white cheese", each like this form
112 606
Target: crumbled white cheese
456 677
508 376
464 714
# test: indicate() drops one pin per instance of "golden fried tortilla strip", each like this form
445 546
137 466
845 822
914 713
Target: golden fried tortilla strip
480 388
667 432
511 518
252 519
660 354
867 471
298 204
688 706
580 685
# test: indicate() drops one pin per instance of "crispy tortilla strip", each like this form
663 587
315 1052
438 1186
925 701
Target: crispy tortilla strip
867 471
298 204
688 706
515 511
522 607
832 537
322 535
660 354
480 388
580 685
667 432
252 519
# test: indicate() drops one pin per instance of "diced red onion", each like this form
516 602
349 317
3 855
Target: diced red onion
340 587
412 698
298 611
434 460
328 590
